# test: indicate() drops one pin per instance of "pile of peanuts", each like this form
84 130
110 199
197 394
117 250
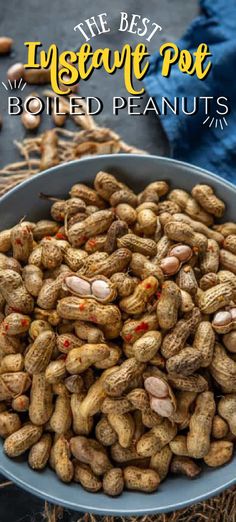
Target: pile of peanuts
118 336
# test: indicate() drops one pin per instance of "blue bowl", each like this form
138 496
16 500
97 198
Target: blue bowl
137 171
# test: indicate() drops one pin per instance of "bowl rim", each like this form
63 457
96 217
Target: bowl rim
88 159
51 497
115 512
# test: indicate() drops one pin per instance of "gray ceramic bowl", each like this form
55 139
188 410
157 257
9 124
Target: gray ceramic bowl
137 171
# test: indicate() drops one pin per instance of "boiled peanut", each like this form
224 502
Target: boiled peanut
117 229
186 280
156 438
85 476
106 184
87 194
190 206
40 352
82 425
229 341
198 438
45 227
40 452
136 302
90 452
208 200
33 279
138 244
178 446
93 401
220 427
105 433
20 403
12 363
146 347
168 305
204 341
113 482
41 396
220 453
176 339
182 232
21 241
116 383
185 466
228 260
13 384
15 293
21 440
137 479
95 224
79 359
9 423
186 362
61 457
123 425
223 369
55 371
160 462
227 410
61 418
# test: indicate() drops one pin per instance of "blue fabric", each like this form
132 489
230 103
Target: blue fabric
190 140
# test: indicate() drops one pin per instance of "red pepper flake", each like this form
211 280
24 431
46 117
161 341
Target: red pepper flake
66 343
6 326
92 242
18 241
82 306
60 236
158 294
24 322
128 338
148 285
142 327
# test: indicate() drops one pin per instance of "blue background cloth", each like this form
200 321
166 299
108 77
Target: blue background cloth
190 140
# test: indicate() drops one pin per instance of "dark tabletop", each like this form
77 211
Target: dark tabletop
45 21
